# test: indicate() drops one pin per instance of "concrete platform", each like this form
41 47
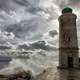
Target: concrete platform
57 74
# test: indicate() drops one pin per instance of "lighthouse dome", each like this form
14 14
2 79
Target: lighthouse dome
66 10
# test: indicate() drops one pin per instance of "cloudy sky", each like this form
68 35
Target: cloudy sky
33 25
33 21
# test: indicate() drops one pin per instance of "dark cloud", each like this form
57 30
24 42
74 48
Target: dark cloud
5 47
3 5
22 2
14 5
27 29
53 33
42 45
23 46
29 7
8 5
36 45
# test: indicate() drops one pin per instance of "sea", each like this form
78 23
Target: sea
43 65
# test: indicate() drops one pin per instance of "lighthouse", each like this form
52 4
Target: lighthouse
68 42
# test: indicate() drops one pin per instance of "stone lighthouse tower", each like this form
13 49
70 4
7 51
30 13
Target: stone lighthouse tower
68 43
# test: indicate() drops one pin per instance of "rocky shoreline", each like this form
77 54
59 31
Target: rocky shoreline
48 74
20 75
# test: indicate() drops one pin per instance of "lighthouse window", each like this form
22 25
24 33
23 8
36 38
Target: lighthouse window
61 22
69 39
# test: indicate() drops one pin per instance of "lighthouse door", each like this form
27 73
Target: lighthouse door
70 62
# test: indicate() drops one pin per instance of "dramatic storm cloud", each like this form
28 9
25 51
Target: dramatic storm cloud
32 20
36 45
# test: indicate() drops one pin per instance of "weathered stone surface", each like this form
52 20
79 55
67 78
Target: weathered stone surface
20 76
68 42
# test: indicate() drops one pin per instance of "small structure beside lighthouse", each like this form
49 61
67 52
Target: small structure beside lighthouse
68 42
